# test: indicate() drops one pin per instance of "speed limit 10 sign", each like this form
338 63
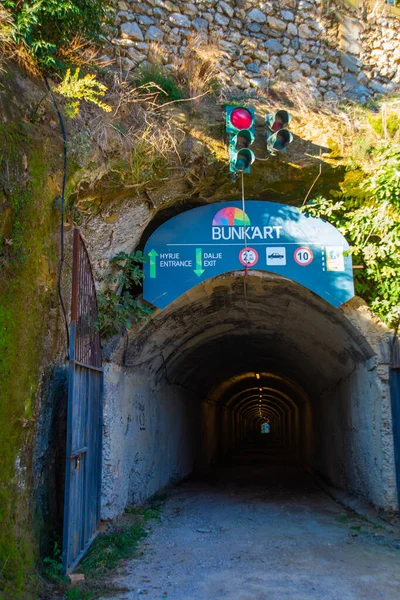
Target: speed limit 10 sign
303 256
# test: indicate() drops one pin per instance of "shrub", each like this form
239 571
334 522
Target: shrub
77 88
43 27
159 82
368 215
118 309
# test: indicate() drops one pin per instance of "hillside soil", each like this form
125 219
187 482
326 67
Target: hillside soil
260 529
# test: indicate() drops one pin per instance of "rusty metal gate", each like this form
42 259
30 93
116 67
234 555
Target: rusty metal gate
84 421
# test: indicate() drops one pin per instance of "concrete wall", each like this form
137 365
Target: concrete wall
207 448
323 372
148 438
156 435
354 439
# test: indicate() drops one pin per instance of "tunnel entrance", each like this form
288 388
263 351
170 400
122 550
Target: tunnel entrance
203 374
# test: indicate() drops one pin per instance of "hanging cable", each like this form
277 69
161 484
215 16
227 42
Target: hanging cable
62 259
246 270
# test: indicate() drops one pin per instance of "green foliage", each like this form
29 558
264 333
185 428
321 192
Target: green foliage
109 548
120 310
391 125
361 152
76 593
369 217
157 81
52 566
150 512
82 88
46 27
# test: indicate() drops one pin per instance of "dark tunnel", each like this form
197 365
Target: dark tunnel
230 354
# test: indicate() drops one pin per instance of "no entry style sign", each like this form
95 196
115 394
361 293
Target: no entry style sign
218 238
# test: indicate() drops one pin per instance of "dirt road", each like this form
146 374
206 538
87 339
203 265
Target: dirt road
260 529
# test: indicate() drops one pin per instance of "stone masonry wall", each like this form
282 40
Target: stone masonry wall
331 51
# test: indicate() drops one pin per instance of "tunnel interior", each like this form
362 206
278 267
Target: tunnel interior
235 352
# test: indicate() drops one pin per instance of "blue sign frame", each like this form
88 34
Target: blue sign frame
219 238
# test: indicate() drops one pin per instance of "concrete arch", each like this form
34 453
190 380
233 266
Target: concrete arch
192 371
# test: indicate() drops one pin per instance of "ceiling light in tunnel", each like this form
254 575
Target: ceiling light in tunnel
257 375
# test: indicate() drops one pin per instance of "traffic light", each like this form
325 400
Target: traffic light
240 125
278 137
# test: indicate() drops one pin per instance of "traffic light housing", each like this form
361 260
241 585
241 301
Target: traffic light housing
277 134
240 126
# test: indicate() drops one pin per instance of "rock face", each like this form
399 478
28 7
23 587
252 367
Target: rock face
353 53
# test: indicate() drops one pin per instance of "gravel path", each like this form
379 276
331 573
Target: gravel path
256 532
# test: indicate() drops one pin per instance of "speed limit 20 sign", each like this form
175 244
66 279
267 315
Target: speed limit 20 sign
303 256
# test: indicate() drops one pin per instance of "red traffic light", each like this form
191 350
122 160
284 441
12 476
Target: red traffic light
241 118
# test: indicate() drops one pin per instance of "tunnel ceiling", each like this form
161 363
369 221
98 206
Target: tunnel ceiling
214 338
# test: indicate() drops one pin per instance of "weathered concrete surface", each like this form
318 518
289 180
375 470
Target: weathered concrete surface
323 374
148 438
354 438
261 532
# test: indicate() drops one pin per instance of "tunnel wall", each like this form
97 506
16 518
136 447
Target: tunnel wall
148 437
156 435
354 440
323 374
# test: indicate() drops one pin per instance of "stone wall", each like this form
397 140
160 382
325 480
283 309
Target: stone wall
333 52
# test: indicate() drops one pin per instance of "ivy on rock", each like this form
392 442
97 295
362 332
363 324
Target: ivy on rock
119 308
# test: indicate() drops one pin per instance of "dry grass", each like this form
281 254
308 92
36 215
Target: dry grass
78 52
199 69
7 46
134 139
83 54
9 49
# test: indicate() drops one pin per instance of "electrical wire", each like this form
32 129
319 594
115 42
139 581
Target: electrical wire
246 270
64 183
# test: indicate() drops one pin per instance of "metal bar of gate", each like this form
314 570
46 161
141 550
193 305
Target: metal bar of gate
84 421
394 378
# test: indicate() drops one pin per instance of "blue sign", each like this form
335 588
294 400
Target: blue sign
218 238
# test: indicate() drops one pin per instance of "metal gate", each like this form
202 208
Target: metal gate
84 421
394 376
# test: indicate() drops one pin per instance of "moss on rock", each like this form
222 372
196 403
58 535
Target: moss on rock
27 283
